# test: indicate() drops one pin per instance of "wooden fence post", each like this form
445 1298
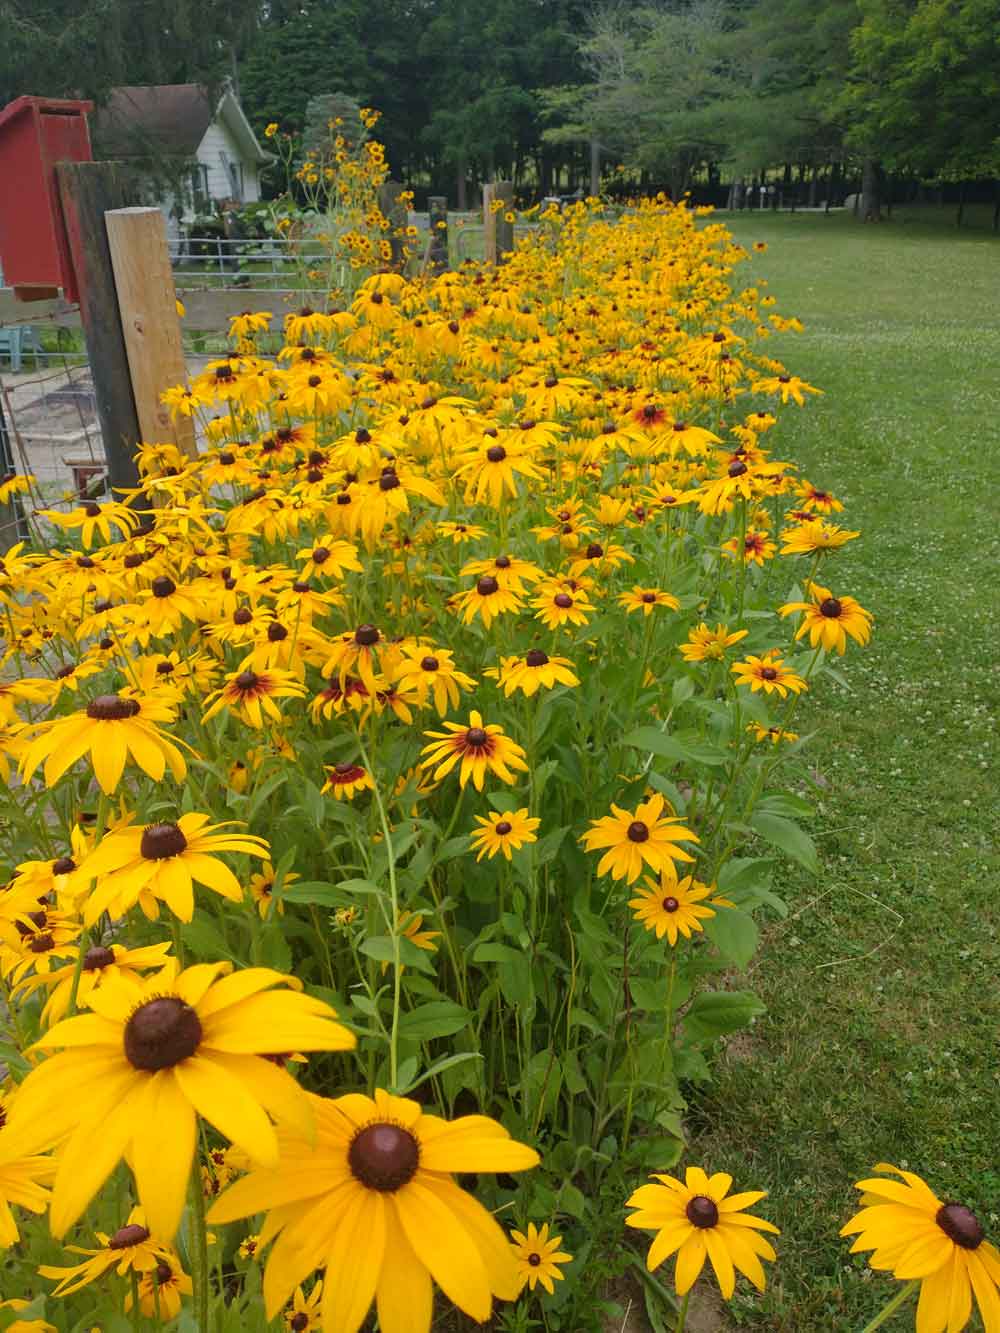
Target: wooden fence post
147 301
498 200
86 191
437 214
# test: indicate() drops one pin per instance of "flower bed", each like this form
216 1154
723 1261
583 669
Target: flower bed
403 780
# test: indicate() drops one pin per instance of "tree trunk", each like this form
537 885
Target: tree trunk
595 167
961 204
871 190
813 186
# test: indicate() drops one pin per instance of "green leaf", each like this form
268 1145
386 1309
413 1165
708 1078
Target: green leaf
788 836
547 848
438 1067
439 1018
682 691
679 750
787 804
381 948
327 895
497 953
714 1013
734 934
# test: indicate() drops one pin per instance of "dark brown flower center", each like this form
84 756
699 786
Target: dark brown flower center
243 616
503 828
162 840
246 681
670 904
961 1225
594 551
161 1033
830 607
535 658
702 1212
388 481
163 587
563 600
64 866
384 1157
429 664
638 831
112 708
125 1237
276 632
649 597
42 943
320 555
768 673
476 737
349 771
366 635
487 586
97 958
298 1322
163 1274
534 1259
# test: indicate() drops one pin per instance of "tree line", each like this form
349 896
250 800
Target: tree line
558 94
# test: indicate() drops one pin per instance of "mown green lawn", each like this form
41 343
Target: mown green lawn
882 1037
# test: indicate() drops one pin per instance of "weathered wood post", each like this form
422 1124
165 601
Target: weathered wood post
397 216
498 233
437 214
147 302
86 191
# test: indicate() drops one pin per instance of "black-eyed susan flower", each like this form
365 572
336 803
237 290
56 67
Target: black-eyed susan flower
161 1290
261 886
939 1245
329 557
24 1176
251 695
356 652
596 556
773 734
708 645
488 598
380 1176
155 863
815 499
107 521
786 386
555 606
504 831
538 1257
813 535
532 672
647 600
768 673
130 1249
757 547
510 571
829 620
303 1314
150 1058
345 780
431 673
111 729
19 1305
480 749
165 605
698 1220
645 837
671 906
100 962
491 469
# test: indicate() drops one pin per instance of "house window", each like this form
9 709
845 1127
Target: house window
236 180
199 185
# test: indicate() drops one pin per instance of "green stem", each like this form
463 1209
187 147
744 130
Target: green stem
901 1296
397 968
199 1248
683 1313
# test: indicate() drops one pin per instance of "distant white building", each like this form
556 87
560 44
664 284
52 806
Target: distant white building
195 154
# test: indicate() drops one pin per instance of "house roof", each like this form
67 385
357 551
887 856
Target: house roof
169 118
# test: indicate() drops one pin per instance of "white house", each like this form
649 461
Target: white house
193 154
